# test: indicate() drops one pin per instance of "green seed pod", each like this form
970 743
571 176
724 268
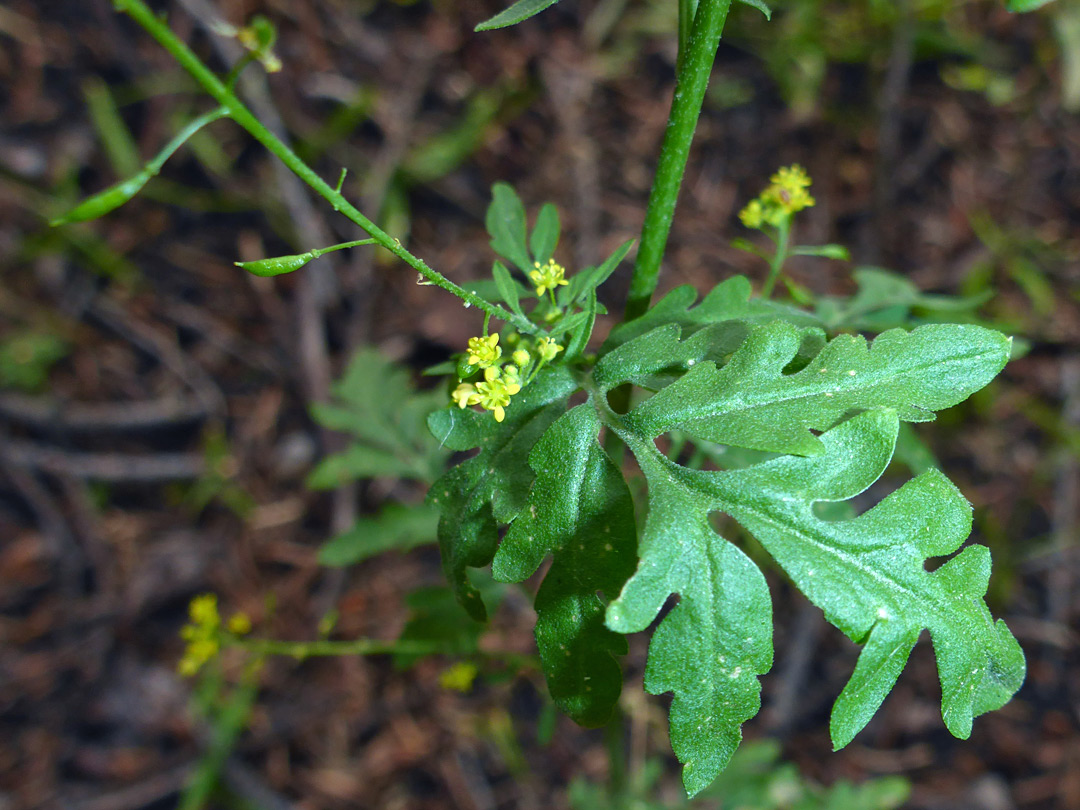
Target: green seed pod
105 201
277 266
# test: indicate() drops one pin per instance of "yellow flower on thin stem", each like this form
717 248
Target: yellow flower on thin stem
202 634
753 215
465 395
786 195
239 624
496 389
547 349
484 351
548 276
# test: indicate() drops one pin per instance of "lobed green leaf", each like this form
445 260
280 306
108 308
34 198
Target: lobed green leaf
868 574
494 484
397 527
751 402
711 648
580 510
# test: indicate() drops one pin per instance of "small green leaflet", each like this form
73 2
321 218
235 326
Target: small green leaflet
751 403
506 224
519 12
581 511
508 289
397 527
1026 5
586 281
493 485
545 235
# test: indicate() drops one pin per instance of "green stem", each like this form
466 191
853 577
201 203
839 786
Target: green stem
687 10
181 137
690 84
317 252
213 85
237 69
367 646
616 752
776 263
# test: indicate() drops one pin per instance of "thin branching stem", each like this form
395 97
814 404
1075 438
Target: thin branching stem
776 263
239 113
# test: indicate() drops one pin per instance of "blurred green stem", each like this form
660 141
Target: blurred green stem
692 78
776 263
367 646
213 85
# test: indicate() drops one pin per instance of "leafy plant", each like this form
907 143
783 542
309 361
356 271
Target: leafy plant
27 357
390 439
811 414
727 373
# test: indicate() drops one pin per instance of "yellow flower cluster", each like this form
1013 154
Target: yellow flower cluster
786 194
500 383
203 632
493 392
459 676
548 276
484 351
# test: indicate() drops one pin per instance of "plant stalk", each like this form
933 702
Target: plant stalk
692 78
776 263
239 112
367 646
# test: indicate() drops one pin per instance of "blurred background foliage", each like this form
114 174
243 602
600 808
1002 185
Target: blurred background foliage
170 426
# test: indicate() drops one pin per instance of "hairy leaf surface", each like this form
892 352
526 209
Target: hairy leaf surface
728 301
751 402
867 574
581 511
712 647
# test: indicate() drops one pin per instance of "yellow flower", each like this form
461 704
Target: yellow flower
484 351
753 216
239 624
202 634
547 349
496 389
521 357
786 194
465 395
788 191
459 676
203 610
791 177
548 276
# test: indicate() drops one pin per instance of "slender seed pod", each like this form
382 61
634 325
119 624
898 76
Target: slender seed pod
105 201
277 266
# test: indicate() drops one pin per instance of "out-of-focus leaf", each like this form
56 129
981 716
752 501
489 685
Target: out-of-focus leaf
397 527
